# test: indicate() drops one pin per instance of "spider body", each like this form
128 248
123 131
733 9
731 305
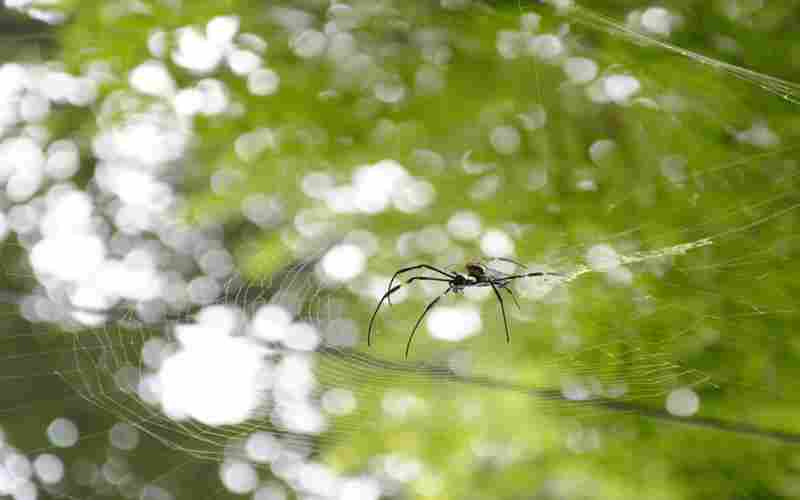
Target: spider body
462 281
476 270
476 274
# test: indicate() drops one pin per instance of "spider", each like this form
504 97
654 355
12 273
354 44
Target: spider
477 275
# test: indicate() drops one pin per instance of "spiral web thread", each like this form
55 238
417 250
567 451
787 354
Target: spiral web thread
615 377
103 366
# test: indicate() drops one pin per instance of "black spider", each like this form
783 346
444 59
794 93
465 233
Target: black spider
477 274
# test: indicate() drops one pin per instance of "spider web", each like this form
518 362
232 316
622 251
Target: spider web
591 380
105 368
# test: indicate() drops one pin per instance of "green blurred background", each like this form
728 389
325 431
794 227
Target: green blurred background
566 140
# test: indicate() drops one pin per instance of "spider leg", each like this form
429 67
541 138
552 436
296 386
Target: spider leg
387 296
530 275
427 278
502 310
513 297
427 308
509 260
420 266
380 303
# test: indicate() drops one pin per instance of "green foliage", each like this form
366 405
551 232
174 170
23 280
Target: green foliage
721 318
